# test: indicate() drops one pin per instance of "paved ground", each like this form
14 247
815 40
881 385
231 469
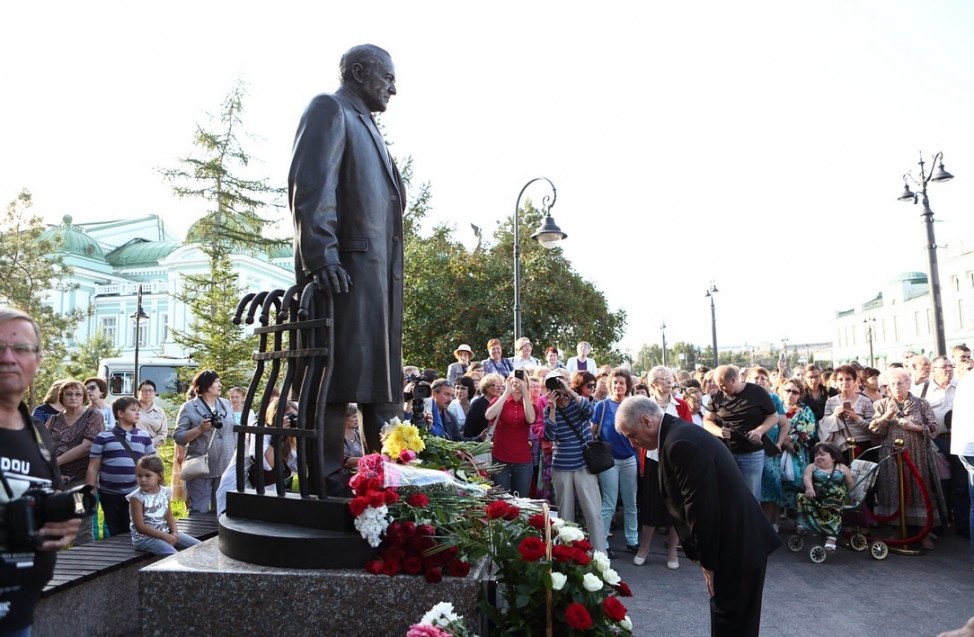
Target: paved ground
849 594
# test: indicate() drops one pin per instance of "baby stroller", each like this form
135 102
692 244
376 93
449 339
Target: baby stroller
864 473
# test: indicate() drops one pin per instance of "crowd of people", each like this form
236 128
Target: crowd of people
793 433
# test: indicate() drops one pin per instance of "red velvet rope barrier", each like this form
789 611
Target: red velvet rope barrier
928 505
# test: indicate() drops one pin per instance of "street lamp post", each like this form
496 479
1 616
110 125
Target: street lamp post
869 335
138 315
711 291
663 330
548 235
933 271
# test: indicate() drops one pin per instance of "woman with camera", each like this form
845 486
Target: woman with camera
514 414
204 426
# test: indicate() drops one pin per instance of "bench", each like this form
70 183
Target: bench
94 590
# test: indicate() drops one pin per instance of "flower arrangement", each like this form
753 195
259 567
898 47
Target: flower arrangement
401 440
440 621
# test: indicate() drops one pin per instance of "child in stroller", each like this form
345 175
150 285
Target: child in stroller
827 484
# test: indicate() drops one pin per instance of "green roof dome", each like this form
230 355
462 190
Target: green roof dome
912 277
141 252
74 240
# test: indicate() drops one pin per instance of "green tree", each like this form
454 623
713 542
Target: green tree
234 223
30 267
455 295
83 359
649 356
684 355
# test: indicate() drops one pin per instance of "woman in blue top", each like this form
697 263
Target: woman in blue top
620 479
772 494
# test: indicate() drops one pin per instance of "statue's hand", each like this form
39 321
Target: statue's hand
333 278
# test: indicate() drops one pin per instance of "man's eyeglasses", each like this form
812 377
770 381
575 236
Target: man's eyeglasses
19 349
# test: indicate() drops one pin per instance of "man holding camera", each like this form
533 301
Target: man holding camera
27 462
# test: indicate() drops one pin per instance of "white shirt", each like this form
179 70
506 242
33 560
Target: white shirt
590 366
962 423
519 362
941 399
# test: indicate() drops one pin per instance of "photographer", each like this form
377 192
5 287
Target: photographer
27 461
567 425
418 405
514 413
205 426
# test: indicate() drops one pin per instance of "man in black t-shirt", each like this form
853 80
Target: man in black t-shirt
742 413
27 460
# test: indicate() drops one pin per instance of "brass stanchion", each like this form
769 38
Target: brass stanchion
905 549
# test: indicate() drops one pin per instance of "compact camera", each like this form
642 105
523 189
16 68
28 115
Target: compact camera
22 518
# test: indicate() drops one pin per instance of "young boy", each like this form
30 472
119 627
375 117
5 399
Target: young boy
114 454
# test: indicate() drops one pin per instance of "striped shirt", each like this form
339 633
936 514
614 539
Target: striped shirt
567 455
117 472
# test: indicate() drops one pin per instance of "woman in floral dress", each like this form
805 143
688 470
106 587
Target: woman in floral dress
827 485
801 437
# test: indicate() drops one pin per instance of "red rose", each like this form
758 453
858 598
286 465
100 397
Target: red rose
581 557
408 529
377 499
392 554
531 549
425 529
391 497
623 589
563 553
358 505
459 568
415 546
577 617
614 609
374 567
375 484
412 565
391 568
512 513
497 509
418 500
537 521
584 545
434 575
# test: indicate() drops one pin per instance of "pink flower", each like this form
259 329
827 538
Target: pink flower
407 455
422 630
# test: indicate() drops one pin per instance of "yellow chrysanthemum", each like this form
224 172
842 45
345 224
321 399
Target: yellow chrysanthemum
402 437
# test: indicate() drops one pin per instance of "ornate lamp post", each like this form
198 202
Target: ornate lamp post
548 235
933 271
663 330
138 315
711 291
869 322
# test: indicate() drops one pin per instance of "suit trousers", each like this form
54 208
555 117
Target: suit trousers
735 608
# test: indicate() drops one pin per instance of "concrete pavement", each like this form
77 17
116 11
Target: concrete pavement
849 594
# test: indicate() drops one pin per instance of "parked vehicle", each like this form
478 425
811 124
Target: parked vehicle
120 372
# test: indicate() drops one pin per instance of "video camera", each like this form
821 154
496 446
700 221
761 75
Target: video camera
22 518
421 391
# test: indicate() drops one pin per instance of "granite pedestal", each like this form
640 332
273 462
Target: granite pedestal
201 591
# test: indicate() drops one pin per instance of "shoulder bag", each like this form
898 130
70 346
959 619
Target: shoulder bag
598 453
199 466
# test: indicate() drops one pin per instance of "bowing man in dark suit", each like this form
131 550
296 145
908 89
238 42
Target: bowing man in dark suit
721 525
347 198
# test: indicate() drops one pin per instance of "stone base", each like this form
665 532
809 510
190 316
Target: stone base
201 591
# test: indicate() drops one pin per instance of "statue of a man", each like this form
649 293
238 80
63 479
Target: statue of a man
348 199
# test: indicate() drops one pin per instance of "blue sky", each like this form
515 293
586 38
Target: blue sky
757 144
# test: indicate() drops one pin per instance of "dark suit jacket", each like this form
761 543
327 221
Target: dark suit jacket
347 199
719 522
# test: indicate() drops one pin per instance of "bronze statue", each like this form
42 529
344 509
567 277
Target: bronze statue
348 199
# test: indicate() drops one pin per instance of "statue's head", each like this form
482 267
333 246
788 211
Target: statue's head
368 72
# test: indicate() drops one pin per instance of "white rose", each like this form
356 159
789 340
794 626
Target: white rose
626 623
558 581
601 561
557 523
569 534
591 582
611 577
441 614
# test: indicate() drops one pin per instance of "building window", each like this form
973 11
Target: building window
896 328
970 278
955 280
164 328
929 319
143 332
108 326
960 314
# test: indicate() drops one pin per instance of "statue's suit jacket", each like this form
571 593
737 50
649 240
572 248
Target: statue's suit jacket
347 199
720 523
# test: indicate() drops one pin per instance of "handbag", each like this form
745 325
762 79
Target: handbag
199 466
598 453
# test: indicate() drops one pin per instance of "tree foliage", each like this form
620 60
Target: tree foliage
29 268
83 359
454 295
235 223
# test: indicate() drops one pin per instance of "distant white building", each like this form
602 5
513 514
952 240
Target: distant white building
901 316
110 259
